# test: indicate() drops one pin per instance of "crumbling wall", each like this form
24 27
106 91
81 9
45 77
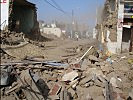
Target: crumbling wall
110 19
24 15
107 32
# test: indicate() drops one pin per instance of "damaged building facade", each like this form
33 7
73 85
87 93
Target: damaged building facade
18 16
115 32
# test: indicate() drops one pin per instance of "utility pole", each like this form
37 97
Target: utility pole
96 16
96 22
96 13
72 23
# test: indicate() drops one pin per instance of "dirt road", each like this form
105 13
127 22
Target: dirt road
53 50
65 48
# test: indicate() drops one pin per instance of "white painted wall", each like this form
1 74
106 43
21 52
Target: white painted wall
4 13
112 46
120 26
55 31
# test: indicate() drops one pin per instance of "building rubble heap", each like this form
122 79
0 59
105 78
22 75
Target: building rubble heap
95 76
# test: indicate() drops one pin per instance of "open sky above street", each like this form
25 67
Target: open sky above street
84 11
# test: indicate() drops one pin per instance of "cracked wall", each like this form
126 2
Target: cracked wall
110 32
110 19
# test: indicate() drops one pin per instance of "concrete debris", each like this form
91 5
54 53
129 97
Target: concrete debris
106 69
93 58
72 92
131 93
70 76
88 97
94 72
38 66
91 77
85 64
116 82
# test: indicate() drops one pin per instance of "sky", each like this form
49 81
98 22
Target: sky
84 11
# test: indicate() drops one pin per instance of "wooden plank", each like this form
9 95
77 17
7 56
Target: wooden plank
85 53
13 89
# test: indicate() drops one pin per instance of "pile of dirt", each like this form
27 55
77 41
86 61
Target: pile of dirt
11 38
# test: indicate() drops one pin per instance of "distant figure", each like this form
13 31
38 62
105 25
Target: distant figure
77 36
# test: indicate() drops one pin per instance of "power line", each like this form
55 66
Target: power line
54 6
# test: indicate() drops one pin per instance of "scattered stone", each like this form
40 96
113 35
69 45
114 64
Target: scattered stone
85 80
131 93
93 59
95 91
80 81
113 82
106 69
88 97
85 64
70 76
71 91
94 71
100 98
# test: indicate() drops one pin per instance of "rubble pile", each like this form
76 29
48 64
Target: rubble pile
91 77
14 38
5 56
11 38
11 41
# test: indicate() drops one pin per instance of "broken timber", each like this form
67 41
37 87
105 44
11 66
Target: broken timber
85 53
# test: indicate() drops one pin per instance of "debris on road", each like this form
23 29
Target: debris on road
39 79
66 60
79 74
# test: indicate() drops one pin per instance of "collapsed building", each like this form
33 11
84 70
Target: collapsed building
115 32
19 16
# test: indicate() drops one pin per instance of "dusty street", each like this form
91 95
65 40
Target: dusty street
53 50
62 49
67 68
66 50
